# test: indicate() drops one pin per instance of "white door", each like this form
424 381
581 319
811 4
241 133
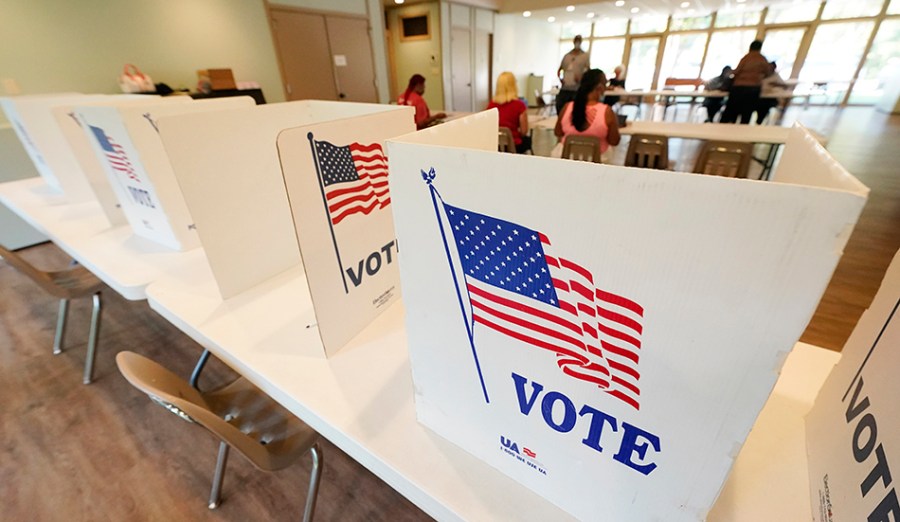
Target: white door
461 69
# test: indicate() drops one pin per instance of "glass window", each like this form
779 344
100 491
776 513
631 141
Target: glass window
894 7
612 27
726 48
607 53
781 46
882 64
690 22
642 63
793 12
682 56
570 29
737 17
835 51
649 24
851 8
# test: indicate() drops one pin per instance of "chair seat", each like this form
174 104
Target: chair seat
71 283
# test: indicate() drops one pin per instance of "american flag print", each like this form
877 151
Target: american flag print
115 154
354 178
517 287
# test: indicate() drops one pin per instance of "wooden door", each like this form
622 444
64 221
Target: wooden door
301 41
351 52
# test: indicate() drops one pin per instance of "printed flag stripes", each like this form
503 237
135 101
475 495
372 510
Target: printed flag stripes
354 178
516 287
115 154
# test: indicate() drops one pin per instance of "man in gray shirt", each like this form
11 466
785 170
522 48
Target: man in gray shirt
574 64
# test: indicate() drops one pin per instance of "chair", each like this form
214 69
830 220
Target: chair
505 141
631 101
687 85
239 414
648 151
582 148
543 108
73 283
724 158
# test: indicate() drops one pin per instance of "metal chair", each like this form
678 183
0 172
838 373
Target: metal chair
544 109
72 283
631 101
724 158
648 151
582 148
239 414
505 141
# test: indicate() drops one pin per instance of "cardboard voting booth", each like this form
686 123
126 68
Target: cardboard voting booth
88 169
605 335
851 432
227 165
126 140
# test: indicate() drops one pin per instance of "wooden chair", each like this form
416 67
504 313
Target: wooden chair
648 151
505 141
239 414
72 283
724 158
582 148
687 85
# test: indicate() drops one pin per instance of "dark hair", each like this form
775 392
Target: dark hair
756 45
589 82
416 79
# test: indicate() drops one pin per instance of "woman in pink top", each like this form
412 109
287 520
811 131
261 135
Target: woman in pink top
413 97
587 115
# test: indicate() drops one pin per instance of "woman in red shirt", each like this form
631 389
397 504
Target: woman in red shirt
413 97
512 111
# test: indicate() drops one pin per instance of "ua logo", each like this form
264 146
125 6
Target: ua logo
509 444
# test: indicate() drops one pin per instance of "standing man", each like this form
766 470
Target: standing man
745 88
574 64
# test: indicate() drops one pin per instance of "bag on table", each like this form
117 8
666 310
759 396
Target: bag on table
133 80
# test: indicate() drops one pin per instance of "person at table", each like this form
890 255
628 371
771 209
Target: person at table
746 85
586 115
512 112
616 83
771 85
573 66
721 82
412 96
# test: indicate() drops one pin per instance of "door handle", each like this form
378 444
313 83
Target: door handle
342 96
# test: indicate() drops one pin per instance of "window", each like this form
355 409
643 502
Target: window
649 24
612 27
570 29
726 48
851 8
882 64
781 46
737 17
894 7
793 12
682 56
835 51
690 22
607 54
642 63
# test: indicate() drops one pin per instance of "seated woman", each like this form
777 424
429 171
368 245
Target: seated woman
412 96
588 116
616 83
512 111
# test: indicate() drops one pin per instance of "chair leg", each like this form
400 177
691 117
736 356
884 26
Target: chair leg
61 326
195 375
92 340
308 511
215 494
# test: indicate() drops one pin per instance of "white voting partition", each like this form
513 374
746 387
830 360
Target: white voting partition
89 170
227 166
851 432
604 335
336 175
126 140
33 122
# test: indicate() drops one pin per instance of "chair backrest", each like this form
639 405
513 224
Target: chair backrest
582 148
724 158
648 151
674 83
505 141
539 99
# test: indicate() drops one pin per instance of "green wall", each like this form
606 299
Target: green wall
419 56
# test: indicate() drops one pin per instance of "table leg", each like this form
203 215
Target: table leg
766 173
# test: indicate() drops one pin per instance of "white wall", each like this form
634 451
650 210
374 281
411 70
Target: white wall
523 46
335 6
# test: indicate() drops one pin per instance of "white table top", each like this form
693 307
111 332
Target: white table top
122 260
361 399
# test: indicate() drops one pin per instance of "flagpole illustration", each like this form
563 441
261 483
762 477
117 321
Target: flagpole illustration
429 178
337 254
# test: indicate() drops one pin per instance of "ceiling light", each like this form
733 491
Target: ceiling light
740 1
635 9
590 15
685 4
399 1
551 19
526 14
570 8
620 3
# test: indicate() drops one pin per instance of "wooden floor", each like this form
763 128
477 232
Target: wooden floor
105 452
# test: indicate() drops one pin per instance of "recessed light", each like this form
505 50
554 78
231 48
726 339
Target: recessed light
590 15
526 14
740 1
635 9
570 8
399 1
551 19
685 4
620 3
